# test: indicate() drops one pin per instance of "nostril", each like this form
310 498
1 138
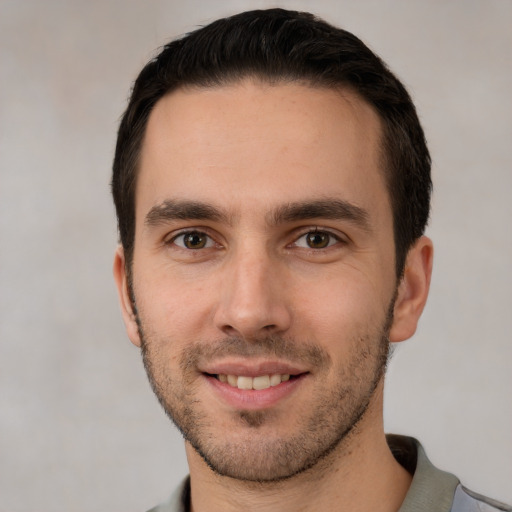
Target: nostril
229 330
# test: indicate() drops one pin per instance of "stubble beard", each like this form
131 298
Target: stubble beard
250 452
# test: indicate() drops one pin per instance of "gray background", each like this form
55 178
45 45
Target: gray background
79 427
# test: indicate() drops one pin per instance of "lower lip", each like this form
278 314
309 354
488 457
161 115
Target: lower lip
254 399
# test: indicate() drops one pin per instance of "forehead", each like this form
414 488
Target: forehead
237 144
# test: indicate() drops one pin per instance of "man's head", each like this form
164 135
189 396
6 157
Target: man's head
278 46
261 277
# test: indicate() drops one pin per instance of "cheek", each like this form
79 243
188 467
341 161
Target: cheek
170 308
339 308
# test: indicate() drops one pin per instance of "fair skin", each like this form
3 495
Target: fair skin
264 248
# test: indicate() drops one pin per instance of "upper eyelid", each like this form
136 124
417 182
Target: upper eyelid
319 229
183 231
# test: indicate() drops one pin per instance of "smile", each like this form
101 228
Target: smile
258 383
254 387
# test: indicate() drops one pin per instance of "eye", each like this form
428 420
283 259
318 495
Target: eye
193 240
316 240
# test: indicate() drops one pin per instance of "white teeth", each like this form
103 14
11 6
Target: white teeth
275 379
244 383
260 382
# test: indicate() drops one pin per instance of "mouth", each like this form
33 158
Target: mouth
256 387
257 384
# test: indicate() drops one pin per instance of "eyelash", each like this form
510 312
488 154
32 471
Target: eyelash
332 239
201 233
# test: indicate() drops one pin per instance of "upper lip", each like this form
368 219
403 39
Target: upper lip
252 368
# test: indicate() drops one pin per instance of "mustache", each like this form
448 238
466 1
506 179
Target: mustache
269 347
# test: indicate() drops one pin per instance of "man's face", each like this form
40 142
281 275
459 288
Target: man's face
264 258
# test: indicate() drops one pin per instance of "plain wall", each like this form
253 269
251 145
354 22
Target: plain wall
79 427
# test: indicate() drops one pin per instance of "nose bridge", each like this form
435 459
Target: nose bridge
252 296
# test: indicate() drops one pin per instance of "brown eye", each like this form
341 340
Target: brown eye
318 240
193 240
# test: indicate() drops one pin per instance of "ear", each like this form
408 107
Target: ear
412 290
125 301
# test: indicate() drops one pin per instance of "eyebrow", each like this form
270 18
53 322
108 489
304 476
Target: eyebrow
329 208
335 209
183 210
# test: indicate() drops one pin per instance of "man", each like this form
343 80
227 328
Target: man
272 187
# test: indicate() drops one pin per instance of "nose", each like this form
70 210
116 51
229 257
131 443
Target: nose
252 297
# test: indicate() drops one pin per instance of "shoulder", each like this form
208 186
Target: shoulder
434 489
469 501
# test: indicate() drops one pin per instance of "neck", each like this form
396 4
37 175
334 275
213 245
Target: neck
361 474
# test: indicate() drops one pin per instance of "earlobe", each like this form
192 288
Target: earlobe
121 279
413 290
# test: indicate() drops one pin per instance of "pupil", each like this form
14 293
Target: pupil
194 241
318 240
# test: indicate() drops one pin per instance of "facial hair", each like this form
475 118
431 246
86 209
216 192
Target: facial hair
252 449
